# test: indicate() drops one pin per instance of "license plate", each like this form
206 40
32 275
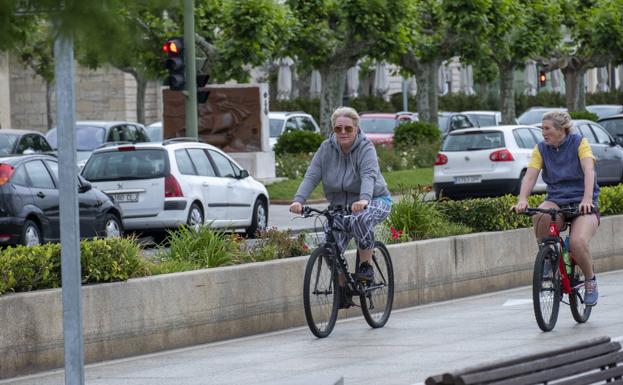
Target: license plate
126 197
467 179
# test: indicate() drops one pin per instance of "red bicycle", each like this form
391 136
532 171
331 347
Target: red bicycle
555 275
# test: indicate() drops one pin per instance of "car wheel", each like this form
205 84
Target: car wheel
259 221
31 235
113 227
195 217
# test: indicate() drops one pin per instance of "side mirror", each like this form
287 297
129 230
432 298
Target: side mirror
243 174
84 185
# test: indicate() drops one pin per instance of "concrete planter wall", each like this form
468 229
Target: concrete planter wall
175 310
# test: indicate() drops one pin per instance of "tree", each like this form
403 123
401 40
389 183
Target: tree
593 37
331 35
519 30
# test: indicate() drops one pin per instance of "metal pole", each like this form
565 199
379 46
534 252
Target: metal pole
405 99
70 230
191 72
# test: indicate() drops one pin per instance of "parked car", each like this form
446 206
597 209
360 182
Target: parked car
379 127
534 115
15 142
608 155
614 126
477 162
29 203
605 110
282 121
93 134
155 132
164 185
450 121
485 118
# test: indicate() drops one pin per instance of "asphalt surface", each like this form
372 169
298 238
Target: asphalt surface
417 342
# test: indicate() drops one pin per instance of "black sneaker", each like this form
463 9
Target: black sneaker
365 273
346 300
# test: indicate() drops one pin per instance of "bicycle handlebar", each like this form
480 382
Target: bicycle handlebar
329 211
553 212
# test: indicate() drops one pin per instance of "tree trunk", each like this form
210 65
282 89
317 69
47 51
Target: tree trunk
49 90
421 97
333 85
574 88
432 70
507 93
141 87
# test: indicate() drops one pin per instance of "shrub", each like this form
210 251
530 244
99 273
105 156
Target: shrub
108 260
611 200
297 142
275 244
201 249
410 134
584 115
292 166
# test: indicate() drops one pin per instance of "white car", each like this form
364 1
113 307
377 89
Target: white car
164 185
282 121
490 161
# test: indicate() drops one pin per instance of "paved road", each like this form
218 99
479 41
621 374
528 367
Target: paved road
417 342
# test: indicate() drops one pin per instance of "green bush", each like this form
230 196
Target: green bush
39 267
410 134
292 166
584 115
297 142
276 244
611 200
202 249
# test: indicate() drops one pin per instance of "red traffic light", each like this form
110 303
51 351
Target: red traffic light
542 79
173 47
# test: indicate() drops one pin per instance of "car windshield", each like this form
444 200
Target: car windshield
7 143
88 138
473 141
603 111
483 120
154 132
378 125
124 165
442 122
614 126
275 127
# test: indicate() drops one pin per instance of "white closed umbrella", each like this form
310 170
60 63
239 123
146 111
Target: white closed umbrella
352 81
602 79
381 80
412 86
620 76
284 79
467 80
555 81
315 84
442 80
530 78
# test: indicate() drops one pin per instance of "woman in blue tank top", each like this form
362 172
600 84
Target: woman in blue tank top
568 168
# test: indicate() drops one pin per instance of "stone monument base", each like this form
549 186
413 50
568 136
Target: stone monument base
261 165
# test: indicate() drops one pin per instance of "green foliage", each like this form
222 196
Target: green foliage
292 166
543 99
371 104
202 249
612 97
111 260
584 115
421 155
276 244
298 141
487 214
410 134
611 200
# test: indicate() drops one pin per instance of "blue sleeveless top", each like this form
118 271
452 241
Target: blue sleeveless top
563 172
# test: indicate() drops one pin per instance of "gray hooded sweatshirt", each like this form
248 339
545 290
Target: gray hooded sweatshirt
346 177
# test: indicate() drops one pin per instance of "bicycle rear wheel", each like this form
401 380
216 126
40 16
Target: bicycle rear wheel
320 293
377 297
579 310
546 290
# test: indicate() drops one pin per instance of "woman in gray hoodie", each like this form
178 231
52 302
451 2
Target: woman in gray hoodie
348 167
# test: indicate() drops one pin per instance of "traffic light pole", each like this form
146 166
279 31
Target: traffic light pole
191 71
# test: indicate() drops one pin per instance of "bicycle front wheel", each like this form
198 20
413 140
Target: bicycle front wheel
579 310
377 297
320 293
546 290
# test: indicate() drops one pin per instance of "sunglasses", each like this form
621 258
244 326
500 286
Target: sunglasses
347 129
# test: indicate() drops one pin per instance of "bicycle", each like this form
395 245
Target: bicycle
554 277
327 267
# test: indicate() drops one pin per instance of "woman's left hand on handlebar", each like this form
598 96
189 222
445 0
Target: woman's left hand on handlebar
586 206
520 207
359 205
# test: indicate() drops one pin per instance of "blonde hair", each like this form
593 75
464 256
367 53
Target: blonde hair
347 112
560 120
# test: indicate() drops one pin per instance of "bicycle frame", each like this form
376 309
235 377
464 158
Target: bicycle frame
555 239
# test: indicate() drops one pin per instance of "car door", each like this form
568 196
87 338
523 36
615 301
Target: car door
213 188
239 198
526 141
612 154
598 151
45 196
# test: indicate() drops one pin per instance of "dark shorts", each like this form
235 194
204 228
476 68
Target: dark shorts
573 205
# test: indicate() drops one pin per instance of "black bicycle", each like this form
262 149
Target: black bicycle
329 285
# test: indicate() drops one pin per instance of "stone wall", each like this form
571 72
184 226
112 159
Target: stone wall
103 94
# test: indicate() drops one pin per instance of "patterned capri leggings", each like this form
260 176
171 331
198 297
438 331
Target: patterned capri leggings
361 225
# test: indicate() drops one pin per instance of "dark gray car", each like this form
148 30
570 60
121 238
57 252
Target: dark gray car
609 154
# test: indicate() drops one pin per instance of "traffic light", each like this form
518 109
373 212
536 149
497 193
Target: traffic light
542 79
202 95
174 48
